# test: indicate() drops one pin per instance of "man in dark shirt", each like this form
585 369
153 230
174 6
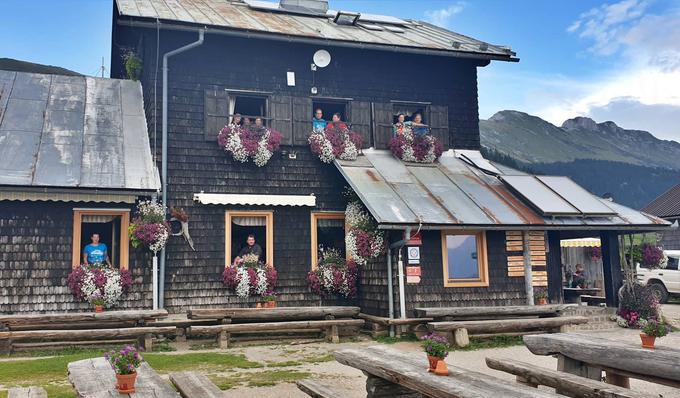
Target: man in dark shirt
250 248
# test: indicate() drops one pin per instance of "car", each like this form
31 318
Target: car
665 281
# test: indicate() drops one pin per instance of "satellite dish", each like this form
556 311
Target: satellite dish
322 58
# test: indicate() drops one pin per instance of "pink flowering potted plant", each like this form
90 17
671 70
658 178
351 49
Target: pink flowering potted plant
437 349
651 329
125 363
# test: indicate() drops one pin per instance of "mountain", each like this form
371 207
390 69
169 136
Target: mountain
631 165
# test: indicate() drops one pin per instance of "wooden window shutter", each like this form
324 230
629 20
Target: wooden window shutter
383 114
439 123
280 117
302 120
216 109
514 246
360 117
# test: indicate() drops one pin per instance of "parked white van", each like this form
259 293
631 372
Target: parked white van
666 281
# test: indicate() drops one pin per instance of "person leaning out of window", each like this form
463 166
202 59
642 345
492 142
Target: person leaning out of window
398 127
337 122
318 122
96 252
417 125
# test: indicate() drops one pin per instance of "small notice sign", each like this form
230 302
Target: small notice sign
413 271
413 255
412 279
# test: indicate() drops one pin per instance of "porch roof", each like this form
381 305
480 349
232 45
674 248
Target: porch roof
453 194
74 132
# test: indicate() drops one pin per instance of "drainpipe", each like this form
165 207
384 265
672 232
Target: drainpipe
402 295
390 289
164 159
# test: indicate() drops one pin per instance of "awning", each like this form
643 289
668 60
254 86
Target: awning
255 200
583 242
454 194
34 196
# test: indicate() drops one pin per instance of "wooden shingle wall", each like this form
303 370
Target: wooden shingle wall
514 246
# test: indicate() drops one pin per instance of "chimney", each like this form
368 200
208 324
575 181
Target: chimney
305 6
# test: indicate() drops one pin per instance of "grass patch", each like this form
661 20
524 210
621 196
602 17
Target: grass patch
409 337
163 346
260 379
213 361
202 346
283 364
493 342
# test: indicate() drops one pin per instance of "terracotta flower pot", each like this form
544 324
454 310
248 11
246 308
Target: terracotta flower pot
647 341
433 362
441 369
259 305
126 383
270 304
98 308
543 301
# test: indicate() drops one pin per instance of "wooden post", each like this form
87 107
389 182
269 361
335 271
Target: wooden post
460 336
617 379
611 264
223 340
554 268
146 342
381 388
332 335
528 278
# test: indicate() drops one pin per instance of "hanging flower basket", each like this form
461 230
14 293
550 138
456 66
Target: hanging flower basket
250 278
249 143
363 240
335 142
334 275
411 147
653 257
99 284
149 228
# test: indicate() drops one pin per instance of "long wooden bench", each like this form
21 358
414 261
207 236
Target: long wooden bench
195 385
80 320
239 315
318 390
461 330
223 332
27 392
510 311
565 383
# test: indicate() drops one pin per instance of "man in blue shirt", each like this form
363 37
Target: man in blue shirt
318 122
96 252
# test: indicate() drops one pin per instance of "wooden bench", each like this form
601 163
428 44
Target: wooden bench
240 315
223 332
78 328
565 383
195 385
591 300
27 392
459 331
379 326
511 311
317 390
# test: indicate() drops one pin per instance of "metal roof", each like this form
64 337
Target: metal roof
272 21
667 205
451 193
73 132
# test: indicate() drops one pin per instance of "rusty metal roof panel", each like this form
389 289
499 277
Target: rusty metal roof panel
451 193
73 131
269 17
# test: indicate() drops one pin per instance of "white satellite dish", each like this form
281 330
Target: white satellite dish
322 58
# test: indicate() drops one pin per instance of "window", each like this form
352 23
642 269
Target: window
112 228
330 107
464 259
248 106
328 232
240 224
409 110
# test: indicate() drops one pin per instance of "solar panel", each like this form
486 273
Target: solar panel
394 29
573 193
476 159
540 196
371 26
382 19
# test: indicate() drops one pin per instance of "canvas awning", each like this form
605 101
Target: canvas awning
255 200
454 194
583 242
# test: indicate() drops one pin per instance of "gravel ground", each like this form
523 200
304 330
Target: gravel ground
352 382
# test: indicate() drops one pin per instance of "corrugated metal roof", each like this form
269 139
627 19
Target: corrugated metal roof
73 131
453 194
666 205
238 15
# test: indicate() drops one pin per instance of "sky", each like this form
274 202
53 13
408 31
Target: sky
608 60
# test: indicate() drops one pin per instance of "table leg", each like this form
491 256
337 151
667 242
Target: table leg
617 379
381 388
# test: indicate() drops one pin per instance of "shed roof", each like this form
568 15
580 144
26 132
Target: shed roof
271 20
453 194
73 132
667 205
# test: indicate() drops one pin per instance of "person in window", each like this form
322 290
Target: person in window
398 127
250 248
337 122
236 120
318 122
259 128
246 122
417 125
96 252
578 279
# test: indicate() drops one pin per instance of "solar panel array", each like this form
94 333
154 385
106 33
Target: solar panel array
557 196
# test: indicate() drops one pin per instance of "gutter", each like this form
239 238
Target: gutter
402 294
249 34
164 160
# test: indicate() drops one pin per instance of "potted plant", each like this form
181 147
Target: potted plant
651 330
98 301
541 296
269 299
125 363
437 348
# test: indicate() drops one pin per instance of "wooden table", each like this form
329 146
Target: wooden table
94 378
571 294
393 373
588 355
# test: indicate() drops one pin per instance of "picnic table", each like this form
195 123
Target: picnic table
94 378
588 355
395 373
571 294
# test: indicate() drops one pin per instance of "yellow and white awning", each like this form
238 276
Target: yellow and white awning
255 200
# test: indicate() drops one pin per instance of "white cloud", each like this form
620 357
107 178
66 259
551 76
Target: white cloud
443 16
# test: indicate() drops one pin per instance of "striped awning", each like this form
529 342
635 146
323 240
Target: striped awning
255 200
66 197
583 242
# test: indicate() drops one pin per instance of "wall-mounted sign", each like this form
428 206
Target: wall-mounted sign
414 239
413 255
412 279
413 271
